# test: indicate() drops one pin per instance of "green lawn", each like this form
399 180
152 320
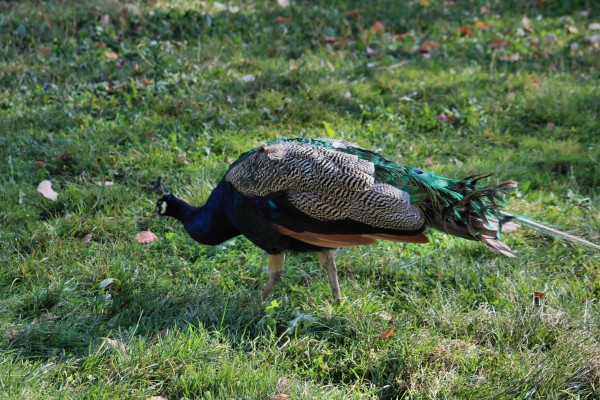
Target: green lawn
127 92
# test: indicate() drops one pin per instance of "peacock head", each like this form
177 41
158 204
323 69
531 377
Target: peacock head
166 205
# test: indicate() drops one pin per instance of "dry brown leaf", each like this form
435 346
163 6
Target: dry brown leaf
426 47
539 54
466 31
45 188
402 36
482 25
538 298
496 43
146 237
377 26
386 334
282 20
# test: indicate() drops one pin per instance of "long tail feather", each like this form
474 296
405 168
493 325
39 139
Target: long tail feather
545 229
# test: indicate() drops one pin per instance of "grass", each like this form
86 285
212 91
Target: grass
126 92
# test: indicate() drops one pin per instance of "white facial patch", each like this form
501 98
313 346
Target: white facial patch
163 207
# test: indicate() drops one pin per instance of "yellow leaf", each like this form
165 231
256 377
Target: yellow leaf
328 129
111 55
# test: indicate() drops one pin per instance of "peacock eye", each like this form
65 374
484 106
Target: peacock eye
162 207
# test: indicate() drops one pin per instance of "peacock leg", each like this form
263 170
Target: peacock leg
275 270
327 262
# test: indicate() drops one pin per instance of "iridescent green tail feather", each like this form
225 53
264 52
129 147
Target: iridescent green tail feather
460 207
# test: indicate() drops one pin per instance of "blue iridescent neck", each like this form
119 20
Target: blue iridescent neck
207 224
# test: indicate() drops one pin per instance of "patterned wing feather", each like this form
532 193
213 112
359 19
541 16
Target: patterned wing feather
325 183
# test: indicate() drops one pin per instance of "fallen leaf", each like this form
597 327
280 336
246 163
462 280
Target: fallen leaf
43 51
39 164
386 316
594 40
111 55
45 188
377 26
282 20
386 334
352 13
539 54
572 29
496 43
510 57
105 20
538 297
107 282
594 26
426 47
145 237
482 25
466 31
402 36
88 238
105 183
113 342
248 78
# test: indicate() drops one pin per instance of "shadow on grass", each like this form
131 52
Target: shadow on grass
41 334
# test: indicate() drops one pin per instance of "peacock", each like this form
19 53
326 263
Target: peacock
305 195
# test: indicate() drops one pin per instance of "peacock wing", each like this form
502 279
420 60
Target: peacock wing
303 167
325 183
